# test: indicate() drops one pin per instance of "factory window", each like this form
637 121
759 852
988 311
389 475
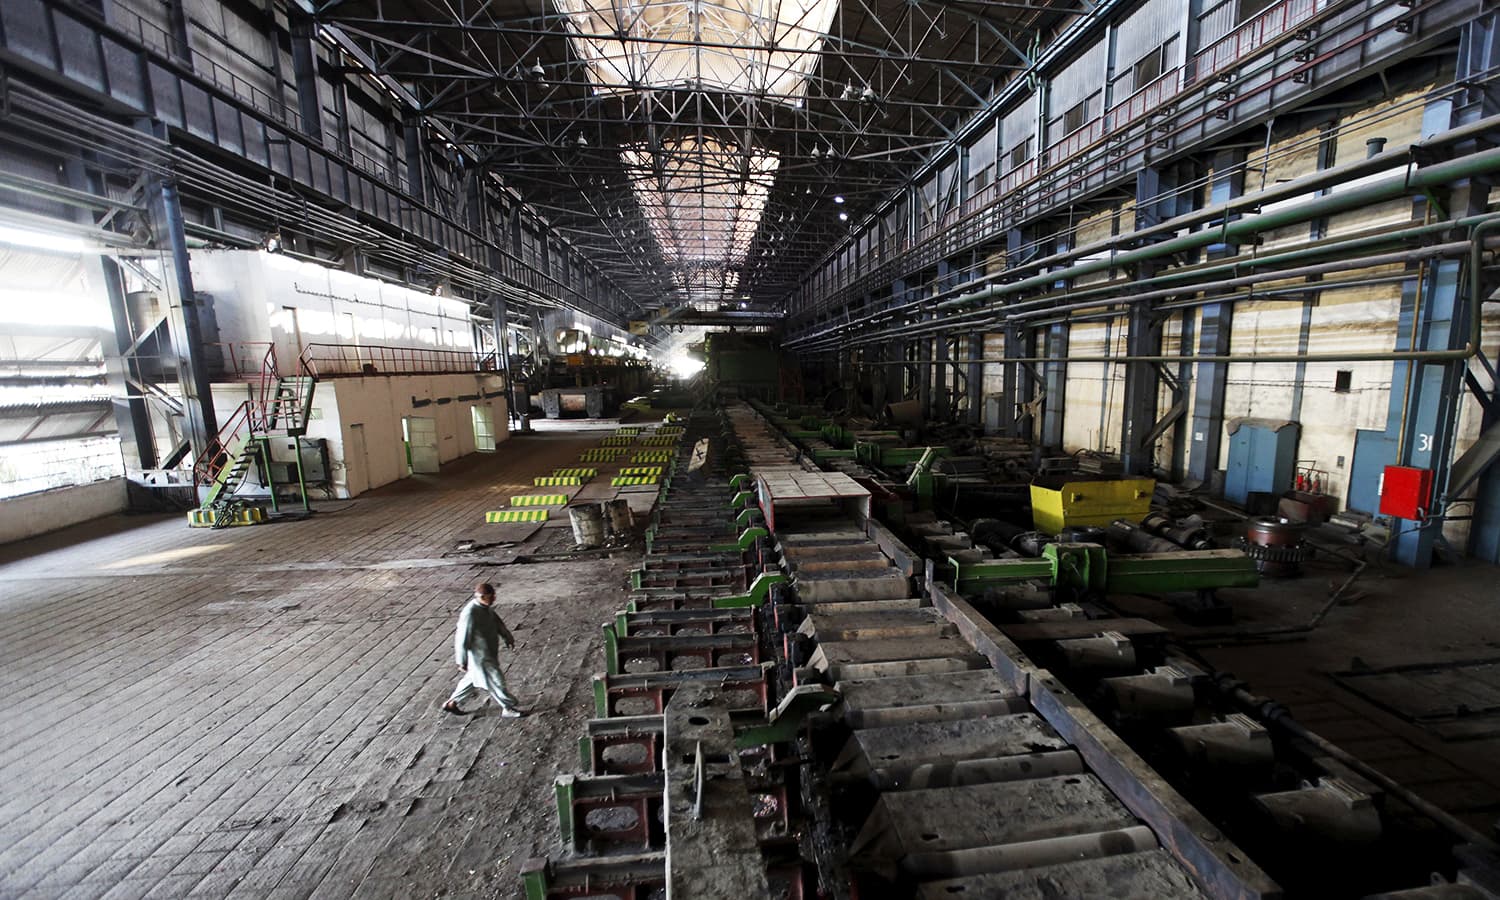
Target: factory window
981 180
1249 9
1073 119
1342 380
1153 64
1019 154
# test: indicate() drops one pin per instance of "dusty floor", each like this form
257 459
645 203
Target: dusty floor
253 712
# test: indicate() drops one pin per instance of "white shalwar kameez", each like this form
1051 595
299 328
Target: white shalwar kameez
476 645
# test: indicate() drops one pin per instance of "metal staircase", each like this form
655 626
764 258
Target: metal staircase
281 407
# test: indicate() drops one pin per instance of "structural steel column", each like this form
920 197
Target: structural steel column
975 373
132 415
1142 338
1435 316
416 182
1425 433
1184 375
1055 374
131 412
1020 385
305 74
1215 328
182 318
1216 321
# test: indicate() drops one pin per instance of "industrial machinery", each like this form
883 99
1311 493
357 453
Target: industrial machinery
1276 545
799 704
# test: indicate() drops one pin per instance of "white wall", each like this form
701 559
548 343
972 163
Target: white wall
33 514
251 290
379 404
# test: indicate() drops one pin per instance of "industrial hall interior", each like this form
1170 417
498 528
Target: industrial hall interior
750 449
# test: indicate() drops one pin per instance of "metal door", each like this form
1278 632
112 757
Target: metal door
484 429
421 444
356 462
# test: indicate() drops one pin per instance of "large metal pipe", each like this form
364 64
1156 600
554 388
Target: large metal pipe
1132 537
1388 188
1477 225
1338 247
1310 183
1110 294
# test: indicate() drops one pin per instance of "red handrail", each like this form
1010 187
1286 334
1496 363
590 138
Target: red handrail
251 415
1248 37
1149 97
216 455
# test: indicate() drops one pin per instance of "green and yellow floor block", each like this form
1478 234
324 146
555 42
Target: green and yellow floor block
539 500
557 481
575 472
653 456
508 516
618 440
602 454
641 470
659 440
629 480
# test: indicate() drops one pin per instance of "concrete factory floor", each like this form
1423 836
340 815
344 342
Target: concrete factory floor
1404 672
253 712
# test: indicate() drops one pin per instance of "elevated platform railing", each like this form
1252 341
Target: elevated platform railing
356 361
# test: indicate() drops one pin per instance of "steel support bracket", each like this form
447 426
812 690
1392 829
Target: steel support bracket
760 589
787 719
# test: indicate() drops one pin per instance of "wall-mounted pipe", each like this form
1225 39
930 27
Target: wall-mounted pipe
1110 293
1477 225
1326 178
1390 188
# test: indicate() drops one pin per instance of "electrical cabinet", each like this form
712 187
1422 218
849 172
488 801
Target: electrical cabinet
1262 458
1406 492
284 452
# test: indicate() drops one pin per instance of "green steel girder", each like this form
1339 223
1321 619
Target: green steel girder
973 578
819 455
1189 570
563 792
1088 568
601 697
611 648
875 454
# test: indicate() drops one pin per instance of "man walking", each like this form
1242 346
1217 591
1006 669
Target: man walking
476 649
